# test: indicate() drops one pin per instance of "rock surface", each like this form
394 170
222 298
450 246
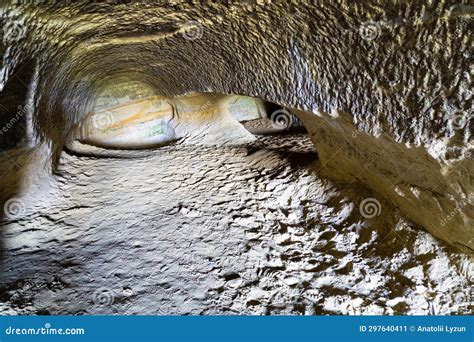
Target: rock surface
199 119
202 226
397 75
249 229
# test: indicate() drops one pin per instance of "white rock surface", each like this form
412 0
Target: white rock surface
231 230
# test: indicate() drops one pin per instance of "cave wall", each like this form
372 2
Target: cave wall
395 74
15 119
196 119
436 195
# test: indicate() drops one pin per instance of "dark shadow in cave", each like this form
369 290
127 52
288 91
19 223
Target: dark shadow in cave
13 145
278 121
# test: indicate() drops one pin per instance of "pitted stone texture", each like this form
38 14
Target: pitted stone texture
234 230
435 194
399 70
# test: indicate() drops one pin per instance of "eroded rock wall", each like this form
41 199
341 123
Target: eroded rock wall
434 193
396 74
197 119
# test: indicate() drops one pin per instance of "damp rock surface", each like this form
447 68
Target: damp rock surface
250 229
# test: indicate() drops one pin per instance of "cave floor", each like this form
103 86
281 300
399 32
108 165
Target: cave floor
231 230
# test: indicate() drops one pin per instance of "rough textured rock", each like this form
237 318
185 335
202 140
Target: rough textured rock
384 89
200 119
396 74
233 230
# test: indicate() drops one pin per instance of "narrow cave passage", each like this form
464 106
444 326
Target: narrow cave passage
219 211
178 159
